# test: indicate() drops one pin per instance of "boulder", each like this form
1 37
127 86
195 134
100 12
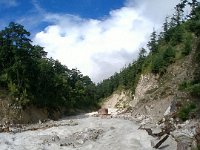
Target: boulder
194 145
184 139
103 111
183 146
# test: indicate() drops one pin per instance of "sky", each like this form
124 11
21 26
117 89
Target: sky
98 37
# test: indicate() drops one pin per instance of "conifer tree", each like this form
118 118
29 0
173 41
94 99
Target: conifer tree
152 44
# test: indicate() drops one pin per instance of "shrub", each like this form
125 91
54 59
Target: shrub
184 85
194 89
191 87
158 64
169 55
185 111
177 35
187 45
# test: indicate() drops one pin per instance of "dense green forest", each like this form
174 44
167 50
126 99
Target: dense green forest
31 78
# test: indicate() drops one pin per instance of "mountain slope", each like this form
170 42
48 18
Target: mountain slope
163 92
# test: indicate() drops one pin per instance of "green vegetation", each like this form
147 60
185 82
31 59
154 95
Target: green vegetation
33 79
185 112
192 87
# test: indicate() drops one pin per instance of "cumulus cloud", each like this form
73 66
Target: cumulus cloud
99 48
155 10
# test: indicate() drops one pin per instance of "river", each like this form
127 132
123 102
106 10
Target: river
81 133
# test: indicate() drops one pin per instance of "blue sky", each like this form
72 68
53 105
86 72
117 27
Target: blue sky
98 37
21 10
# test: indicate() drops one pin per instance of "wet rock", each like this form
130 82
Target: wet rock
184 139
103 111
80 141
183 146
79 138
112 128
72 123
194 145
5 129
89 134
66 144
55 138
40 122
51 139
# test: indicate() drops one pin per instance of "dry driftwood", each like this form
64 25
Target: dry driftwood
160 134
161 141
165 131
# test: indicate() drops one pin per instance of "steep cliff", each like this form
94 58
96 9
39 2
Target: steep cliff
158 95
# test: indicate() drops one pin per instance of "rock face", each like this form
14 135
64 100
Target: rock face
146 83
119 100
157 96
103 111
15 114
10 112
149 97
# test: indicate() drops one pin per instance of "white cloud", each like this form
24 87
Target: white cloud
99 48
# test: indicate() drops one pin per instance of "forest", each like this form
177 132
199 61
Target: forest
31 78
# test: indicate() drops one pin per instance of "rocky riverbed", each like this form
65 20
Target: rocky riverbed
83 132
